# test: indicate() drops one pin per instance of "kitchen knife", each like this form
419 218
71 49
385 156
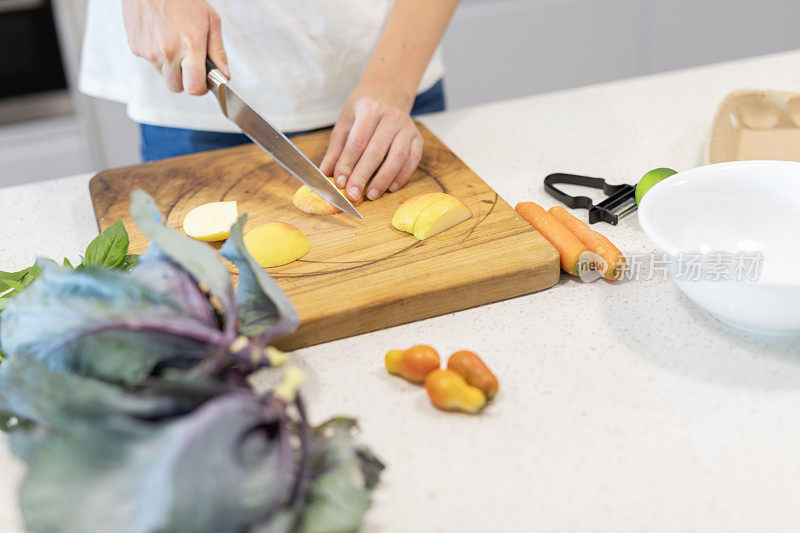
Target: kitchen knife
272 141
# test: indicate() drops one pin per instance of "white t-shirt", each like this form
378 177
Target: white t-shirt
294 61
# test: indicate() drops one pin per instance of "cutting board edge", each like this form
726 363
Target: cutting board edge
93 197
383 314
537 252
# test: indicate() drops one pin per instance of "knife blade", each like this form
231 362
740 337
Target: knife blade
273 141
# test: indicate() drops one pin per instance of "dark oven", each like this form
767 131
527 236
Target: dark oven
33 83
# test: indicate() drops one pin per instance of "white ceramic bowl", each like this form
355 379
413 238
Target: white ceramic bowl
730 214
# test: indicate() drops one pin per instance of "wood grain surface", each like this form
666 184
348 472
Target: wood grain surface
360 275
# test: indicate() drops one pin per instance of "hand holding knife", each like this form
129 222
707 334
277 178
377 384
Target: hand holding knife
272 141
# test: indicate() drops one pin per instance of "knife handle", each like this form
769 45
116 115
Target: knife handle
213 75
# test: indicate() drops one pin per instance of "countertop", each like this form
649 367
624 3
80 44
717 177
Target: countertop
623 407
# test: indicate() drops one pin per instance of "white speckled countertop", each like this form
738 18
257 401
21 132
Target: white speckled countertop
622 407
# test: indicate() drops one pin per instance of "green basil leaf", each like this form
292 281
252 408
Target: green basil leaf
5 277
109 248
32 274
131 260
15 285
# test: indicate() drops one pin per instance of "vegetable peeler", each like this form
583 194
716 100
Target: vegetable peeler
605 211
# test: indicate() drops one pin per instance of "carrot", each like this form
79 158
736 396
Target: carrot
568 245
594 241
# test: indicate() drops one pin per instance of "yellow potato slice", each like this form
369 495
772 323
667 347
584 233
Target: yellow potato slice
409 210
211 222
276 243
425 215
440 215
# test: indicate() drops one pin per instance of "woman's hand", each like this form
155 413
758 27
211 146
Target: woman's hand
374 136
176 36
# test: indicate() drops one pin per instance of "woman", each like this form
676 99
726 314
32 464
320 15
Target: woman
301 63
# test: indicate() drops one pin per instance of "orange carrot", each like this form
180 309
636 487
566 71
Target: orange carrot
568 245
594 241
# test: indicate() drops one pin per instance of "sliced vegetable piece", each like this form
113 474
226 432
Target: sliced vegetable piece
211 222
407 213
308 201
425 215
442 214
276 243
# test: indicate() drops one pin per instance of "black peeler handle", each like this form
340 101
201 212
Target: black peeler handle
617 195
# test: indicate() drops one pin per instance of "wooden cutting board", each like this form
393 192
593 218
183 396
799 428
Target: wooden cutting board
360 275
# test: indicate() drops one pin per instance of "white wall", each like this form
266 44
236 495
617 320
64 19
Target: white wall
498 49
494 49
684 33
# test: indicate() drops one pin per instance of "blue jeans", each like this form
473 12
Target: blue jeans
160 142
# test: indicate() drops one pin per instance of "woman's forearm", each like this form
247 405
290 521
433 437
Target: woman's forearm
412 33
375 145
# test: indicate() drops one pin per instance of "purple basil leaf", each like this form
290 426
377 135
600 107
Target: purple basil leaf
164 276
197 258
214 469
336 485
102 323
33 392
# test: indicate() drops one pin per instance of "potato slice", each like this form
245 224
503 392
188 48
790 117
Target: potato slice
426 215
307 201
440 215
211 222
276 243
409 210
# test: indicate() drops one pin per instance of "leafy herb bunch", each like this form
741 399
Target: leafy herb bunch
127 394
